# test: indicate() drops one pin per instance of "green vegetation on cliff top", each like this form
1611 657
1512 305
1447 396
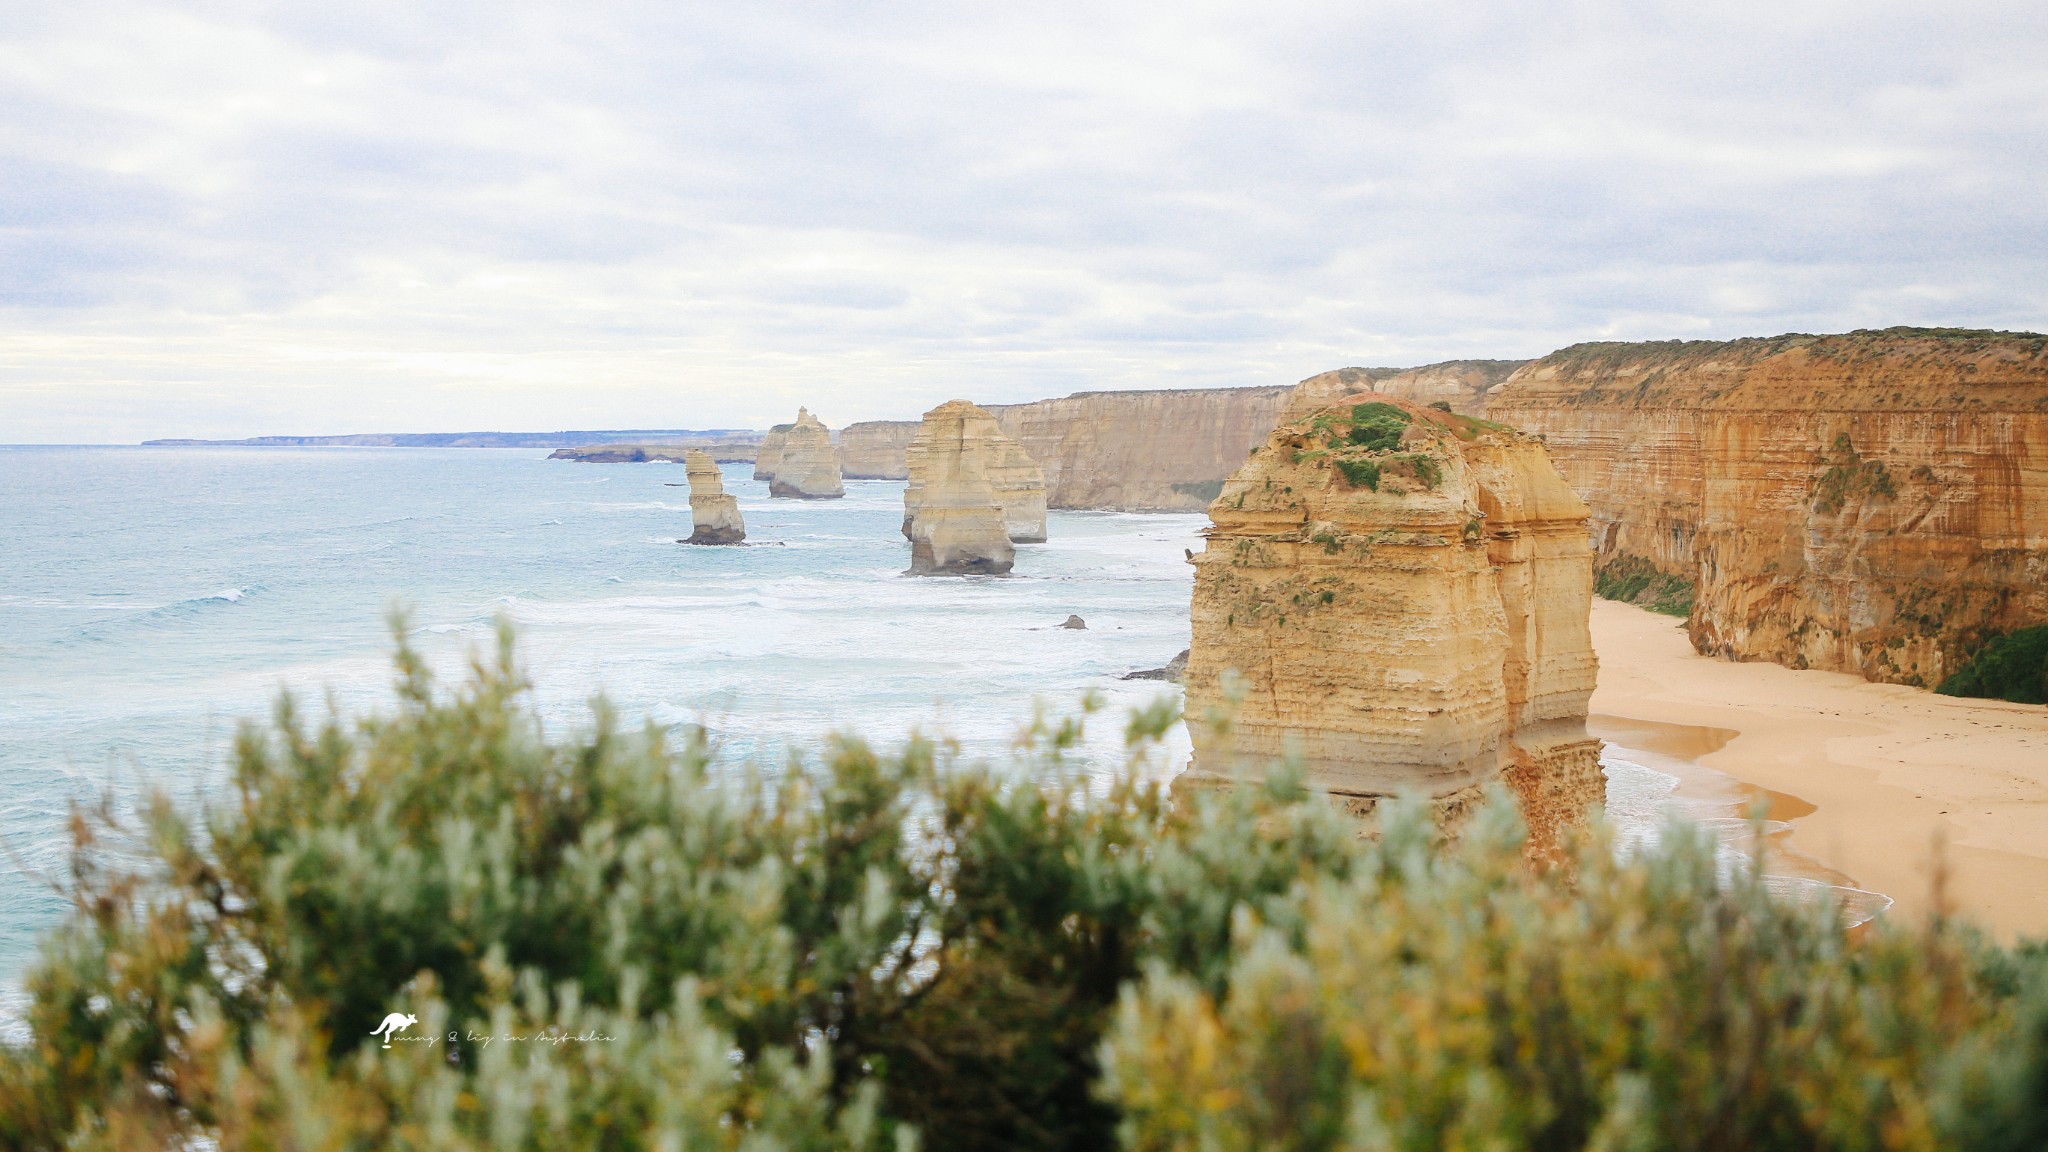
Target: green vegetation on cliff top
611 940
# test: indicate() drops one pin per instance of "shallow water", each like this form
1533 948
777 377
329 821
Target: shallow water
152 598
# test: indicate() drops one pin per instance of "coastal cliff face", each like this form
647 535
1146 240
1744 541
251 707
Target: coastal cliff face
769 455
876 449
1167 450
951 514
1463 384
1404 593
1873 503
714 512
808 466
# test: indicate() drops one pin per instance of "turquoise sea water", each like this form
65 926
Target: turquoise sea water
152 598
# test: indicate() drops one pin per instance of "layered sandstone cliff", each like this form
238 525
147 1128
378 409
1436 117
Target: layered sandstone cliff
1462 384
769 455
714 512
951 514
1165 450
876 449
1873 503
1016 482
807 466
1404 593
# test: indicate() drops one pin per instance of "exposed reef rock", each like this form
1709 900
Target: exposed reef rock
1404 593
1873 503
1014 479
768 456
1175 670
808 466
714 511
955 526
876 449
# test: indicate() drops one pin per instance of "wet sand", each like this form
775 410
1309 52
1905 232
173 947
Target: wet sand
1894 777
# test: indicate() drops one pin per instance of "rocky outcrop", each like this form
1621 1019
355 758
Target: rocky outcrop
1873 503
1013 477
714 512
807 466
876 449
1404 594
954 523
769 455
1462 384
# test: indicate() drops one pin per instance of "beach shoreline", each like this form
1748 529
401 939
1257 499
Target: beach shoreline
1898 777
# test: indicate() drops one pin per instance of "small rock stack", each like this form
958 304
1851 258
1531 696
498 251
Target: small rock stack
807 467
715 512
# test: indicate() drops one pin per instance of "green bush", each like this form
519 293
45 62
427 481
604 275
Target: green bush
1203 490
613 941
1634 579
1378 426
2012 667
1360 473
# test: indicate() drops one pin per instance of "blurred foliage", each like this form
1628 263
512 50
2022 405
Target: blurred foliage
613 940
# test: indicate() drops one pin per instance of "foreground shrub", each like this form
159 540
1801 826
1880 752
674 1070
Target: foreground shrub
612 941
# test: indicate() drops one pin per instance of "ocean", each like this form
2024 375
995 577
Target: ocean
151 599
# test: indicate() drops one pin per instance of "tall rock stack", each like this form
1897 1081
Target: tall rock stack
769 457
950 511
1015 479
808 467
714 511
1405 593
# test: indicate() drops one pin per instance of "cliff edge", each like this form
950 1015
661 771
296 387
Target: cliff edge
1875 502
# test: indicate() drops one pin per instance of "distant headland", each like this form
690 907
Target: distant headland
669 436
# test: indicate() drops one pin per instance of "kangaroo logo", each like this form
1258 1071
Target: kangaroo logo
394 1024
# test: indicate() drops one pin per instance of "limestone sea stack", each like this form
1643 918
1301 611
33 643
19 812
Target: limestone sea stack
808 466
715 512
1405 594
950 511
1014 478
770 455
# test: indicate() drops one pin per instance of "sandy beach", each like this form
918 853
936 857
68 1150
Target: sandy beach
1894 774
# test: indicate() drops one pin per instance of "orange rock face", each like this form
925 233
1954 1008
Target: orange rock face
1402 596
1873 503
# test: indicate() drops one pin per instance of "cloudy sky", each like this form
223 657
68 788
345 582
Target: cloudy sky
230 219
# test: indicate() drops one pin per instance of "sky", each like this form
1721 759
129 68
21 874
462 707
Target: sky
235 219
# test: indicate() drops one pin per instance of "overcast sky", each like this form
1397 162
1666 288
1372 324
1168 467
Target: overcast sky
231 219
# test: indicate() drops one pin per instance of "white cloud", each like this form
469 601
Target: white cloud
240 218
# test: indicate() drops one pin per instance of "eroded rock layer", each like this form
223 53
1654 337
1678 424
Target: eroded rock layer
876 449
1462 384
1873 503
808 465
1405 594
769 455
951 514
1013 477
714 512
